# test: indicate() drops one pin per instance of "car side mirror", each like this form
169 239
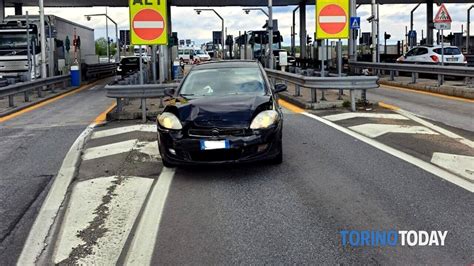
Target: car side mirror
280 88
170 92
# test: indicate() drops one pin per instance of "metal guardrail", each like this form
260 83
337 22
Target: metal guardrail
25 87
122 93
414 69
350 83
95 71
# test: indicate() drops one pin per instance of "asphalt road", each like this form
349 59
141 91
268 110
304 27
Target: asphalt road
294 212
455 113
32 148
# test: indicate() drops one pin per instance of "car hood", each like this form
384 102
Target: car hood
232 111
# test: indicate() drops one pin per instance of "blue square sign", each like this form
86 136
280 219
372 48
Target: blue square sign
355 23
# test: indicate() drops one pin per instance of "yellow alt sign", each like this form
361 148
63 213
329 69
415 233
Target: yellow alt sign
332 19
148 22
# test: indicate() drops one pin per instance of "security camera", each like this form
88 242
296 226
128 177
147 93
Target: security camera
371 18
247 11
88 18
198 12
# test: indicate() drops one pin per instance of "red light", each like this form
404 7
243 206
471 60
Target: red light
434 58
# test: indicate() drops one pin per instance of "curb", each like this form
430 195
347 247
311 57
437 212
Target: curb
43 227
301 103
466 93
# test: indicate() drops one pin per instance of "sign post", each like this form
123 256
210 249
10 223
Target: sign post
442 21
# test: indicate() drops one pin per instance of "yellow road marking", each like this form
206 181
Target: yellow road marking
41 104
290 106
429 93
389 106
103 116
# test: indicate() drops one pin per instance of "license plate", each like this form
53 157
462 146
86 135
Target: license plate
451 59
214 144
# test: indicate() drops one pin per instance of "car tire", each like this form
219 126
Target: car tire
167 163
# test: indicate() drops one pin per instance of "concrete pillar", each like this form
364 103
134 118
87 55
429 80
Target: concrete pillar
2 10
429 22
18 9
303 29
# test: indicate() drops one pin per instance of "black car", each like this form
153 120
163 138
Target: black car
222 112
128 65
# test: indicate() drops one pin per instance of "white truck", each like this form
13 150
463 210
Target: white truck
17 64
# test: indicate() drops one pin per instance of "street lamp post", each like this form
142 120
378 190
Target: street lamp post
198 11
468 28
107 33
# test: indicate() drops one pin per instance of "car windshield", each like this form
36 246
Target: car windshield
224 81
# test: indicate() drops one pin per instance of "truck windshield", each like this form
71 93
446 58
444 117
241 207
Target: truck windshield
13 39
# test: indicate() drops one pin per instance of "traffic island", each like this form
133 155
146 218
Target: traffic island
132 110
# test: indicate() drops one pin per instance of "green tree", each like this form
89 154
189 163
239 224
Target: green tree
101 47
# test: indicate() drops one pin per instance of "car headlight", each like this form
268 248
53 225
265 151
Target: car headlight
169 121
264 119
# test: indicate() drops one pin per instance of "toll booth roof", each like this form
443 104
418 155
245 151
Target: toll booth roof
124 3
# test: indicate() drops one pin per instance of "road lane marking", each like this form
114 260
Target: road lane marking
388 106
429 93
436 128
435 170
290 106
458 164
144 240
103 116
344 116
46 102
149 148
37 239
377 130
123 130
123 196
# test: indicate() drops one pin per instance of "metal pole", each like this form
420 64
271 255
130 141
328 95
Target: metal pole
141 67
270 34
43 40
339 64
442 47
411 23
117 42
293 34
107 34
429 22
378 34
153 57
51 52
468 28
374 31
352 38
223 41
28 45
303 29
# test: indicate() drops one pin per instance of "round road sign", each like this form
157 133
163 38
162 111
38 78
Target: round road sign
148 24
332 19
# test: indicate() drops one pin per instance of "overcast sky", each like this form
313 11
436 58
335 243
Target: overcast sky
394 19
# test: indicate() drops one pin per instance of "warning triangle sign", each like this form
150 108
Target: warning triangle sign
442 16
355 24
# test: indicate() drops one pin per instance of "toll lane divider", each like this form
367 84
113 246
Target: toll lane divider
350 83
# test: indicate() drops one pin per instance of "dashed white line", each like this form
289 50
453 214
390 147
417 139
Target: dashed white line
458 164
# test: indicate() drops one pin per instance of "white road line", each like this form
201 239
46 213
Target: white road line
461 182
458 164
123 130
149 148
143 243
36 241
123 209
344 116
434 127
109 149
377 130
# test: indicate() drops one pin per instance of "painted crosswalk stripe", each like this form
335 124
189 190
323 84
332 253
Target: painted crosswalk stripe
83 215
149 148
344 116
377 130
123 130
459 164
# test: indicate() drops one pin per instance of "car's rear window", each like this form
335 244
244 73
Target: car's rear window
224 81
448 51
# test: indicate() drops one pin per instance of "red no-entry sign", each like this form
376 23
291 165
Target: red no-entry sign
148 24
332 19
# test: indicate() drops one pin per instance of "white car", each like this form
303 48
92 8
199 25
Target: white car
432 55
202 55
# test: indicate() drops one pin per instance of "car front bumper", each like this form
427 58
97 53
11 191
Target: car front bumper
178 149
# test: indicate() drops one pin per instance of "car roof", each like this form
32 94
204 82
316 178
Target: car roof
227 64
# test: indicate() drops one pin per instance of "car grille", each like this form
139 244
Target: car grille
216 132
